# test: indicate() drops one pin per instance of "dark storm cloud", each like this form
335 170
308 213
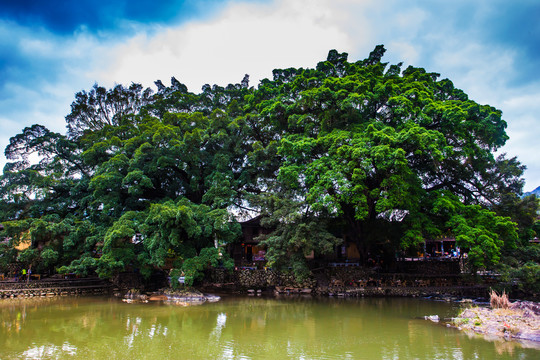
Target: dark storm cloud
59 16
67 16
509 25
519 28
25 25
15 62
21 65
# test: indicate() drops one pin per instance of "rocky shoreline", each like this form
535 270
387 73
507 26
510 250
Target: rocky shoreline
175 297
520 321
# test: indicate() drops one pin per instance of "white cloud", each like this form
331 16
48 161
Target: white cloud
522 112
405 51
40 88
245 38
485 72
482 69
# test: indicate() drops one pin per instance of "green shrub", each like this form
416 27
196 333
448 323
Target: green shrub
193 268
528 276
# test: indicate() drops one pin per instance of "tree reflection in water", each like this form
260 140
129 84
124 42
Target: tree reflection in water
239 328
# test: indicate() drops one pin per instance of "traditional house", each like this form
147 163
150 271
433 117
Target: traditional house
441 247
247 252
346 254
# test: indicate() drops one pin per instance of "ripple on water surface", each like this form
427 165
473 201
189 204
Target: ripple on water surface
241 328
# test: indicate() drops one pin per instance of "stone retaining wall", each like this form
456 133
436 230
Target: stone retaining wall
431 267
458 291
349 275
343 281
54 287
256 279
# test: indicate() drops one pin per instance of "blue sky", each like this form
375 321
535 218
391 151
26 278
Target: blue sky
49 50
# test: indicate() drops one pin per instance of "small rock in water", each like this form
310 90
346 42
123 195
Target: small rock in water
212 298
434 318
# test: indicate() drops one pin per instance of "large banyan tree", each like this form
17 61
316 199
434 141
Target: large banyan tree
382 156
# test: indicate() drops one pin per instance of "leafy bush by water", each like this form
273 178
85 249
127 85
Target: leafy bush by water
193 268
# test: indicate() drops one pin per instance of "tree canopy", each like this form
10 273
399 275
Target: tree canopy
381 156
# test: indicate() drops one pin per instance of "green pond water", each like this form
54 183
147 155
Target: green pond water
241 328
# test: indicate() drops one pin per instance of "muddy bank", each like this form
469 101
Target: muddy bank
521 320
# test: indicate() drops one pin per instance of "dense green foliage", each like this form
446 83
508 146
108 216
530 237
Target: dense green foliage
380 156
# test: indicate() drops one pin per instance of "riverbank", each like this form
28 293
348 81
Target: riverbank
351 281
521 320
54 287
371 290
177 297
332 282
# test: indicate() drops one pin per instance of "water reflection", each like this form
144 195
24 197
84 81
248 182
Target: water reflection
50 351
220 323
246 328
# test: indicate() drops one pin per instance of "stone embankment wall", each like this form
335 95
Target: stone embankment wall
350 275
478 291
54 287
432 267
260 279
350 282
256 279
